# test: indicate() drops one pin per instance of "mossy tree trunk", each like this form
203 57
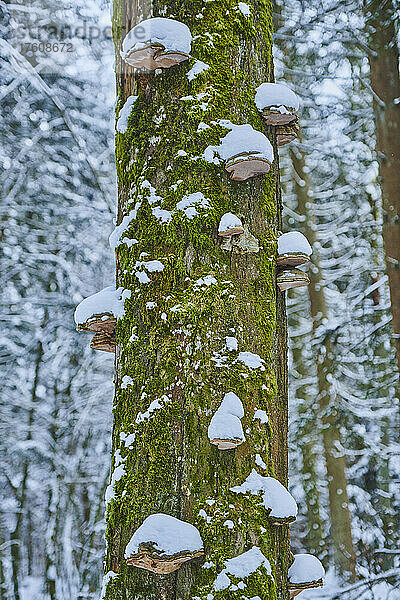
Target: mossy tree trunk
385 83
176 350
341 535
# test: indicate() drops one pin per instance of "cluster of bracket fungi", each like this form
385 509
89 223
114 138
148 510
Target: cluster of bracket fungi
163 543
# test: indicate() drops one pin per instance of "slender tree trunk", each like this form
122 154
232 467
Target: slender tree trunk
3 582
15 536
176 351
385 83
308 440
341 535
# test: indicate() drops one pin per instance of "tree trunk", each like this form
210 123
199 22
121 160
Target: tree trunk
385 83
16 534
342 542
308 441
176 351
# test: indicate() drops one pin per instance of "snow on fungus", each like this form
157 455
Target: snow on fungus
277 103
287 133
225 430
229 225
293 249
241 566
157 43
279 503
122 122
292 278
163 543
99 312
247 152
305 572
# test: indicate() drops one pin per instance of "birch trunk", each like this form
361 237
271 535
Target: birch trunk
177 349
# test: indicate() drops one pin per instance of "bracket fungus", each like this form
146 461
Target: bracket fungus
99 312
305 572
162 544
277 500
225 430
287 133
293 249
230 225
292 278
277 103
103 341
157 43
246 152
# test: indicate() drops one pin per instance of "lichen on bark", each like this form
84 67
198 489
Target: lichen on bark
171 342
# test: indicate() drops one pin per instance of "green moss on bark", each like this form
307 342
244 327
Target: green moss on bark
171 341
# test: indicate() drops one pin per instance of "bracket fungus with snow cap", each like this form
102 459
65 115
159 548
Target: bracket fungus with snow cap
292 278
305 572
225 430
157 43
230 225
247 152
99 312
277 103
293 249
287 133
162 544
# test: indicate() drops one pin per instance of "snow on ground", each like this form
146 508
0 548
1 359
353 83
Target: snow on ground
168 535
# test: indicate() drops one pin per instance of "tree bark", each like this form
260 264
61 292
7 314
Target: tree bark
342 541
177 349
385 83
